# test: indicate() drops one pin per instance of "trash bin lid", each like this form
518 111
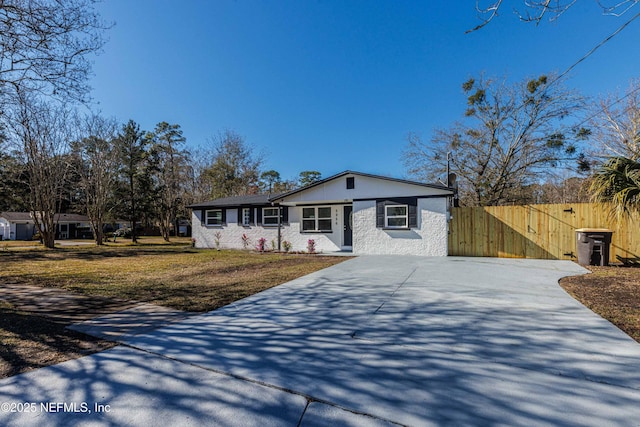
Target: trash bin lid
594 230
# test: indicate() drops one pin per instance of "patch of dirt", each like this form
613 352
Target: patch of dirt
611 292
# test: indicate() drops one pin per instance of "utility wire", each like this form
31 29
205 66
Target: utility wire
592 51
588 54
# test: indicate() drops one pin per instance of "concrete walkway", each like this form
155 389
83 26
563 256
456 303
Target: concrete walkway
108 318
374 341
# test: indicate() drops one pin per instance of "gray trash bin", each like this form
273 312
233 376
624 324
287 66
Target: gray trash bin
593 245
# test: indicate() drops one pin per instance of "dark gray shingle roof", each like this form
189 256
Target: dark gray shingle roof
26 216
251 200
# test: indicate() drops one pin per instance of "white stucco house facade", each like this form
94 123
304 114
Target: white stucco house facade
350 211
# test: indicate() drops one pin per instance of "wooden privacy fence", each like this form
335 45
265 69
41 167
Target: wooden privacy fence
537 231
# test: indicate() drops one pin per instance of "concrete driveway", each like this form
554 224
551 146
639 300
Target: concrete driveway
374 341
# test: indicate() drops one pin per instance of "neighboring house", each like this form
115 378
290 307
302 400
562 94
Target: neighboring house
350 211
20 226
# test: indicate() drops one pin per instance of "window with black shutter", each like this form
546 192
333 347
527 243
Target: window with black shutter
398 213
214 217
268 216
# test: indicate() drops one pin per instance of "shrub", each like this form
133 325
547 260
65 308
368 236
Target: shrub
245 241
311 246
261 243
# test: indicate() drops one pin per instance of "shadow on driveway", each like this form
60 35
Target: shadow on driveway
371 341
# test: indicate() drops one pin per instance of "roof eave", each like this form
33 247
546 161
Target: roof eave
349 172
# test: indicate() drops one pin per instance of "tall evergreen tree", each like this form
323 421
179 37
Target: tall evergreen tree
132 154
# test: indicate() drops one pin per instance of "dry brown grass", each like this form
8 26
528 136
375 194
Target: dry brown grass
612 292
174 276
30 342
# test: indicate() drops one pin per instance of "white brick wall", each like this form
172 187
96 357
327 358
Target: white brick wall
429 239
231 234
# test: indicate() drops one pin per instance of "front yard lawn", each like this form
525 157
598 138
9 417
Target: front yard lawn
171 275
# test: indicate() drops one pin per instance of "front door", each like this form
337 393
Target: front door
348 226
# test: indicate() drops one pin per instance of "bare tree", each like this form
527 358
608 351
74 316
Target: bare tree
616 126
45 45
97 167
41 130
198 188
169 163
513 136
538 10
235 169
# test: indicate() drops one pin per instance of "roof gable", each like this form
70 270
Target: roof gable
334 189
365 186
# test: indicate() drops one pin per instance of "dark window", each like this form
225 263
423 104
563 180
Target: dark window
270 216
351 183
316 219
214 217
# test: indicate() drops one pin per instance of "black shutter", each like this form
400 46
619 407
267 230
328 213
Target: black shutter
380 213
259 218
251 209
413 213
240 215
203 217
224 217
285 214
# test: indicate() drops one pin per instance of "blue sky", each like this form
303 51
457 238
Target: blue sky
331 85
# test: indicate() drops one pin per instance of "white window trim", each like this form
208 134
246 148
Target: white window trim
264 217
246 219
316 218
387 217
209 221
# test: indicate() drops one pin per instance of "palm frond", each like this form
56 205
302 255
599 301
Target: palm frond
617 183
